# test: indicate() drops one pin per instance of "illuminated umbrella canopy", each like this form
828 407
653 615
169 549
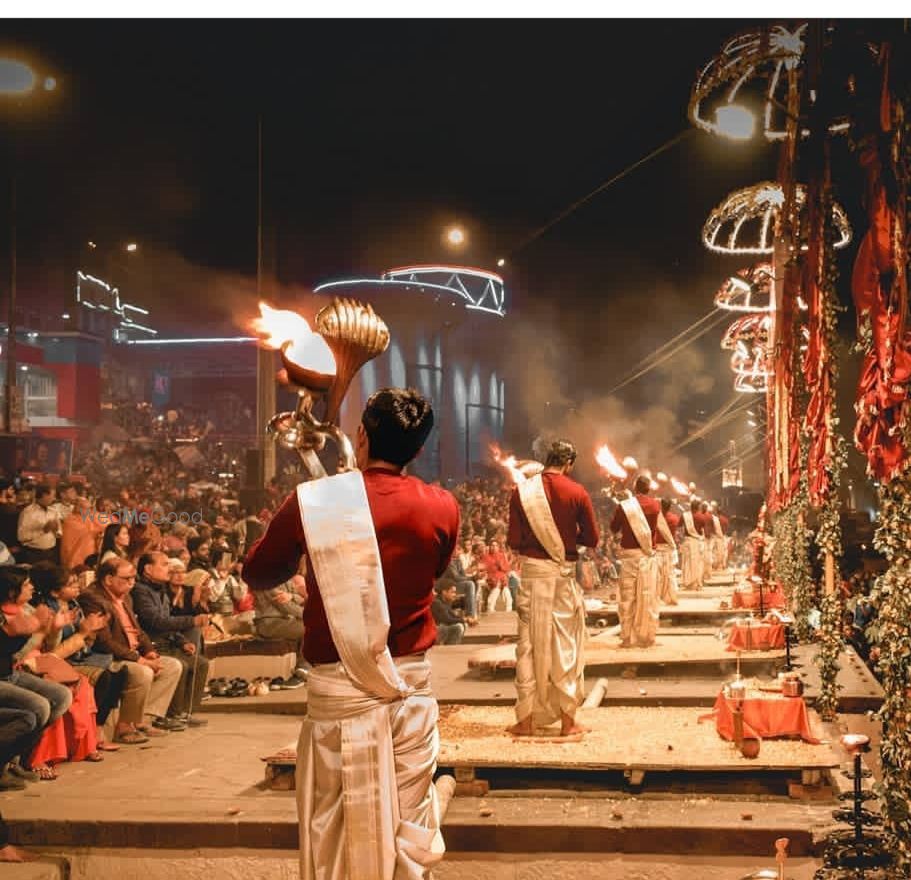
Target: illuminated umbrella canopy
751 74
750 290
744 223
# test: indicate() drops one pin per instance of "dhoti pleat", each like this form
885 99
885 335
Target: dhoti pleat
638 605
550 659
692 561
667 575
719 553
366 801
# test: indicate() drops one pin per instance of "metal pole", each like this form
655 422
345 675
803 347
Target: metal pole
10 386
265 359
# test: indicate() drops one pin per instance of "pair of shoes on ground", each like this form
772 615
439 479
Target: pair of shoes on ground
259 687
222 687
190 720
15 777
169 724
296 680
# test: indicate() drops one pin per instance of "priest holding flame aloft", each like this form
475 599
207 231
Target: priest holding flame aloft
550 515
636 519
375 541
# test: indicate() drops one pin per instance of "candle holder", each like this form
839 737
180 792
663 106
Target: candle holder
857 852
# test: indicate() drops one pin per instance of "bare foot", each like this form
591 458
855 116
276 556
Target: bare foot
570 727
10 853
523 728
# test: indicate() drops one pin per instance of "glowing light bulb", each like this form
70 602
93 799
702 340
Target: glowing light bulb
132 247
16 78
501 262
735 122
455 236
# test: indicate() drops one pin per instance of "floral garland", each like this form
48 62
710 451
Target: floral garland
828 535
791 553
891 632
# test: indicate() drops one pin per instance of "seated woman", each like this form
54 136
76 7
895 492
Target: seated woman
23 630
58 589
115 542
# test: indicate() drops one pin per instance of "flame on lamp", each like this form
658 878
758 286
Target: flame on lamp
661 477
630 463
607 462
653 485
680 487
290 332
519 471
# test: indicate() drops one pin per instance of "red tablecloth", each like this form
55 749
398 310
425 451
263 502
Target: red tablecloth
765 716
758 637
770 599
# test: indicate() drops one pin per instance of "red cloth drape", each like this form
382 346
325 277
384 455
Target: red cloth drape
759 637
71 737
879 286
767 716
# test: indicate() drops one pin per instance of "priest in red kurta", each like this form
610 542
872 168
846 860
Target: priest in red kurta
636 520
352 731
549 516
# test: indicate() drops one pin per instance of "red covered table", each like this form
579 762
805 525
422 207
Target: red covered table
764 716
756 636
771 598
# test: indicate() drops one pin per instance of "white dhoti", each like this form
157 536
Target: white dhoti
667 574
719 553
638 606
706 559
692 559
550 660
365 796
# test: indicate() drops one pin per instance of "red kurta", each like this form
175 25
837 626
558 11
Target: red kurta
704 524
573 514
673 520
651 507
416 528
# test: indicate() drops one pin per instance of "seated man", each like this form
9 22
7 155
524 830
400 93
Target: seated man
173 635
450 624
280 611
151 678
466 587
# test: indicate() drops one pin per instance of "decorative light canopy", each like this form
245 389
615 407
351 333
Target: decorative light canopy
752 383
747 332
744 223
750 290
751 71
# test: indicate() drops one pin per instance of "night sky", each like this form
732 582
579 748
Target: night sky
377 134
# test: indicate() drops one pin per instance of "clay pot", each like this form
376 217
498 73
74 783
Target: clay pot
749 748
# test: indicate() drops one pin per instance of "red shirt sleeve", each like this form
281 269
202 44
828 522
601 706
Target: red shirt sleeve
618 519
588 525
276 556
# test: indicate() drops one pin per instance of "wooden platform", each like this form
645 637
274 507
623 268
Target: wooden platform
603 651
625 738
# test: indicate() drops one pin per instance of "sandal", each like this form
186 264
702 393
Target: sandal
45 772
94 757
132 738
107 747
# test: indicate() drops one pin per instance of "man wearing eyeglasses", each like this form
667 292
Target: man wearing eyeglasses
151 678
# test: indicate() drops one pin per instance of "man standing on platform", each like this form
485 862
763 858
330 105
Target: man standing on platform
636 519
550 515
666 548
375 540
691 552
719 540
707 527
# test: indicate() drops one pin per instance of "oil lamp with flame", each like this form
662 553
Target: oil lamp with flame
319 365
519 470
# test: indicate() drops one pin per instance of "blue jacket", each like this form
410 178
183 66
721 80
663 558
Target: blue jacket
152 604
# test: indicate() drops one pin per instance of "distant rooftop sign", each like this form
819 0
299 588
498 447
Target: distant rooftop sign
481 290
98 295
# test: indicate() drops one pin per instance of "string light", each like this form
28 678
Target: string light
752 67
750 290
744 223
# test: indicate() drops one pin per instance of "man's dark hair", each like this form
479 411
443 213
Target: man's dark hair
560 453
108 568
12 577
47 577
145 560
695 506
42 489
398 422
665 505
643 485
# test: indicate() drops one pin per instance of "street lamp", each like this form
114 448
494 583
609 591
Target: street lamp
735 122
132 247
455 236
17 79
